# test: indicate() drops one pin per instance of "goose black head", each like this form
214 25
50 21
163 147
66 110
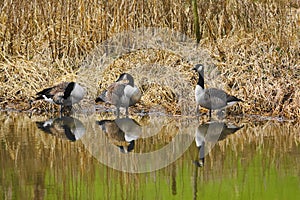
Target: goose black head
199 68
126 76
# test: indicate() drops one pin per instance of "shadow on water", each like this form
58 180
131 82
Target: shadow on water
121 132
210 133
243 159
63 127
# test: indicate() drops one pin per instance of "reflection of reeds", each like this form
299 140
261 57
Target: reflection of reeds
31 157
253 43
50 166
270 143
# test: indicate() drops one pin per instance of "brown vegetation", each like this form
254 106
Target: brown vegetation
254 44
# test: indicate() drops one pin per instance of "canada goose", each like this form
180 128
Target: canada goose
212 98
121 132
64 127
211 132
122 93
63 94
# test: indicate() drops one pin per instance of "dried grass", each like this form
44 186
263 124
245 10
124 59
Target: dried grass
254 44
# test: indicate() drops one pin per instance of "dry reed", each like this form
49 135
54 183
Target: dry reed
255 45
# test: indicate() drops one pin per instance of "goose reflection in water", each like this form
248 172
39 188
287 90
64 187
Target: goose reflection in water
121 132
211 132
68 128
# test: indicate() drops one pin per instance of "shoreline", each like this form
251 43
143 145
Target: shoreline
203 117
254 46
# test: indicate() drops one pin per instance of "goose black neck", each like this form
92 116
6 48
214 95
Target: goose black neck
131 82
201 80
68 90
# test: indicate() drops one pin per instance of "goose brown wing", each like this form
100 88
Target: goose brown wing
216 97
220 95
45 92
52 91
102 97
59 88
58 92
231 98
114 92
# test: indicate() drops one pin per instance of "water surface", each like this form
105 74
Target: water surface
258 161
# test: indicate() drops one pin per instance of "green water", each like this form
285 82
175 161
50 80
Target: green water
259 161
